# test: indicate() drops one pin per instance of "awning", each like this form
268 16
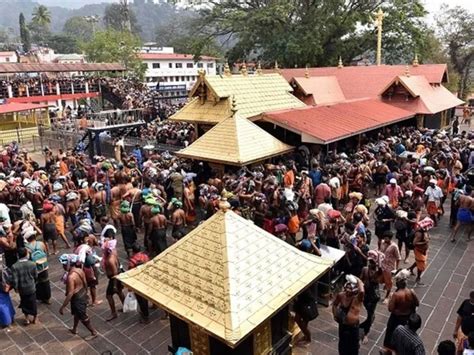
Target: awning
19 107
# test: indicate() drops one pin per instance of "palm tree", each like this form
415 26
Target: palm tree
41 16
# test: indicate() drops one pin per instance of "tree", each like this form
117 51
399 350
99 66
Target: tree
40 22
115 46
79 28
120 17
301 32
63 43
456 29
24 33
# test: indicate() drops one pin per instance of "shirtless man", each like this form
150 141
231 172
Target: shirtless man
145 216
134 196
99 201
72 206
403 303
157 242
178 219
76 293
346 311
112 269
127 225
116 197
465 213
48 225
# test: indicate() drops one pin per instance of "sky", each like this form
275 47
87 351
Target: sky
433 5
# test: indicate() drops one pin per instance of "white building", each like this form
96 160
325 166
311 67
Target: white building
8 57
70 58
174 74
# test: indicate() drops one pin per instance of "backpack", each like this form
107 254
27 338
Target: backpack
39 257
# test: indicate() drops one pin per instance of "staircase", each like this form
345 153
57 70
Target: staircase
83 143
107 94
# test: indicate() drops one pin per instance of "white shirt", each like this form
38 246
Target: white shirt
434 194
325 208
4 212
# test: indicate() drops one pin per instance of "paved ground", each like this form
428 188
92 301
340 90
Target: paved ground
449 278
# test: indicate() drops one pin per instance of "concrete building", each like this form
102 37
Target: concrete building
8 57
173 74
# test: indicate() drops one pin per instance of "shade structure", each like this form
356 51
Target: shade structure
227 276
235 141
20 107
252 95
56 67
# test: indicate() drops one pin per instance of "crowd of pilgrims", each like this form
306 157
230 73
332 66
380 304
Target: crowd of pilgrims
377 202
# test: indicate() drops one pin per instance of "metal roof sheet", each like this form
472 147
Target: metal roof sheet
323 89
208 113
56 67
227 276
235 141
326 124
19 107
359 82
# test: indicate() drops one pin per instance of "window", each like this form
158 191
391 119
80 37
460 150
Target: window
7 59
210 65
177 78
189 65
187 78
179 65
156 65
200 65
171 78
170 65
182 78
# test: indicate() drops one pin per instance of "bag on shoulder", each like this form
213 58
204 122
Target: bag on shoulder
39 257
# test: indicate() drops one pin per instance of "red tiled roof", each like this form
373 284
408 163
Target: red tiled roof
171 56
55 67
323 89
359 82
7 54
19 107
427 99
326 124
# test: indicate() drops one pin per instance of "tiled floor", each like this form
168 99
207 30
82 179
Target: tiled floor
449 277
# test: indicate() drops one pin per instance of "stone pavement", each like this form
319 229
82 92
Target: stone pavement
449 278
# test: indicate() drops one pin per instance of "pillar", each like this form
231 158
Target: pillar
58 92
88 99
10 91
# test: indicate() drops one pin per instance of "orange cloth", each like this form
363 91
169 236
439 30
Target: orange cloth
59 222
63 169
294 224
420 258
432 208
289 178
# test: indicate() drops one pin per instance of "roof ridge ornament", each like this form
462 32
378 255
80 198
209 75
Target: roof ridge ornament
339 64
277 68
243 70
407 71
227 71
415 60
259 68
233 108
306 72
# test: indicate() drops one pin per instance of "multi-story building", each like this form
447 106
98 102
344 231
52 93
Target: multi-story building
174 74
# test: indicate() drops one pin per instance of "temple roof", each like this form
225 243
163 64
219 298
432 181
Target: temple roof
428 99
327 124
206 113
322 89
235 141
226 276
253 94
359 82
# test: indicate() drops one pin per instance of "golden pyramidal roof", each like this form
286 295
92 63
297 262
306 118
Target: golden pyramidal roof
254 95
235 141
226 276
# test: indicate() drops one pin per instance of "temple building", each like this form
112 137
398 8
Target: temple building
227 286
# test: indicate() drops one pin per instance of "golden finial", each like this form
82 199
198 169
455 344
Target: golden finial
201 73
306 72
407 71
415 61
339 64
243 70
259 68
379 23
224 205
277 68
233 108
227 69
